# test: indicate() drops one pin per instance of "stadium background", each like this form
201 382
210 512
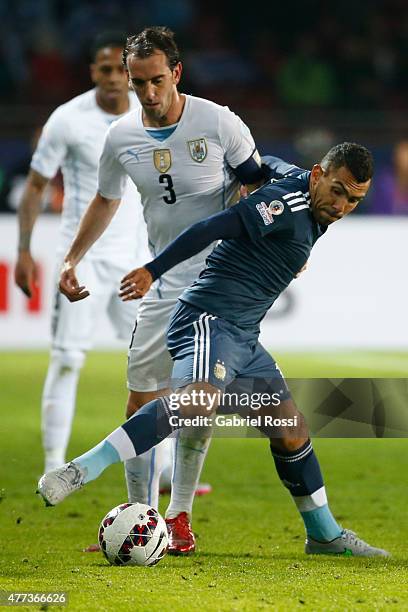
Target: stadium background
303 75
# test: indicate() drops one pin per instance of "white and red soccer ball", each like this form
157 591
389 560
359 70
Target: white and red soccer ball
133 534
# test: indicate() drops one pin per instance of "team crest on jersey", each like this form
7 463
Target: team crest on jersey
198 149
162 159
219 370
268 212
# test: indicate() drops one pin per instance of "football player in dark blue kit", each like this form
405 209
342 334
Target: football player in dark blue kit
213 332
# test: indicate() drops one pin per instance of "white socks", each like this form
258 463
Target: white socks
143 473
190 453
167 472
58 404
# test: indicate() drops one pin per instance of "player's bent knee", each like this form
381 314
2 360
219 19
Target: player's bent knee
71 360
291 437
197 399
284 425
287 444
62 375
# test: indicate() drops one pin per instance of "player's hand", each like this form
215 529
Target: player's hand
243 191
246 190
26 273
135 284
301 270
69 285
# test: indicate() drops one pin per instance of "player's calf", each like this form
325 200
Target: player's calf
143 472
300 473
284 425
58 404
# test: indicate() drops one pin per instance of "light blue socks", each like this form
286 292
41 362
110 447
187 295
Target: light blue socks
321 525
96 460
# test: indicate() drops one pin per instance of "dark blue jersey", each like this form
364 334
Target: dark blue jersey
244 276
267 239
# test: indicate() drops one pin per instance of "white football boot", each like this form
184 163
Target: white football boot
347 544
56 485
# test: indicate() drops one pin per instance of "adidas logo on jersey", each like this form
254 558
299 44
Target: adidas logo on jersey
298 198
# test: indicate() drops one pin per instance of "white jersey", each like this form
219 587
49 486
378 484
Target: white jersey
72 139
183 179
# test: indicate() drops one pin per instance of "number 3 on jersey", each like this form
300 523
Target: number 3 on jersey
166 178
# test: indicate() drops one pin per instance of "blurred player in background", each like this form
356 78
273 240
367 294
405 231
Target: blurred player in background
72 139
187 157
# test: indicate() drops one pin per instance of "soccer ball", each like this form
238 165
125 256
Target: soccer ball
133 534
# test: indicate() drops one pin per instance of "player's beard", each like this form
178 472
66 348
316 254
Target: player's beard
159 113
153 113
322 212
326 216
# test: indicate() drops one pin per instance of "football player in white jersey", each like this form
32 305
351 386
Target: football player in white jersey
72 139
187 157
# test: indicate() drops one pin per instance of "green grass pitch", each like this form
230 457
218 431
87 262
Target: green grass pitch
250 538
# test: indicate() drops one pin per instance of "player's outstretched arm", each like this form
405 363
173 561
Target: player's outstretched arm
26 272
93 223
226 224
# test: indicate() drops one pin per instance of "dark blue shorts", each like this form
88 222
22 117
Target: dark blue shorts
206 348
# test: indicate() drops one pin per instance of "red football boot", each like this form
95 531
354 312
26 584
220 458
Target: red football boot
181 537
203 488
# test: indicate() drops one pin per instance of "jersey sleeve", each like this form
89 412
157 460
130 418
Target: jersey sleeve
236 139
265 212
52 146
277 168
223 225
111 174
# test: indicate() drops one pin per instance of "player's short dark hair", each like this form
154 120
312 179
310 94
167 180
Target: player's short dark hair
149 41
355 157
112 38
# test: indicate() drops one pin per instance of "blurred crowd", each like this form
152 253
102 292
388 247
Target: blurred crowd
297 56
